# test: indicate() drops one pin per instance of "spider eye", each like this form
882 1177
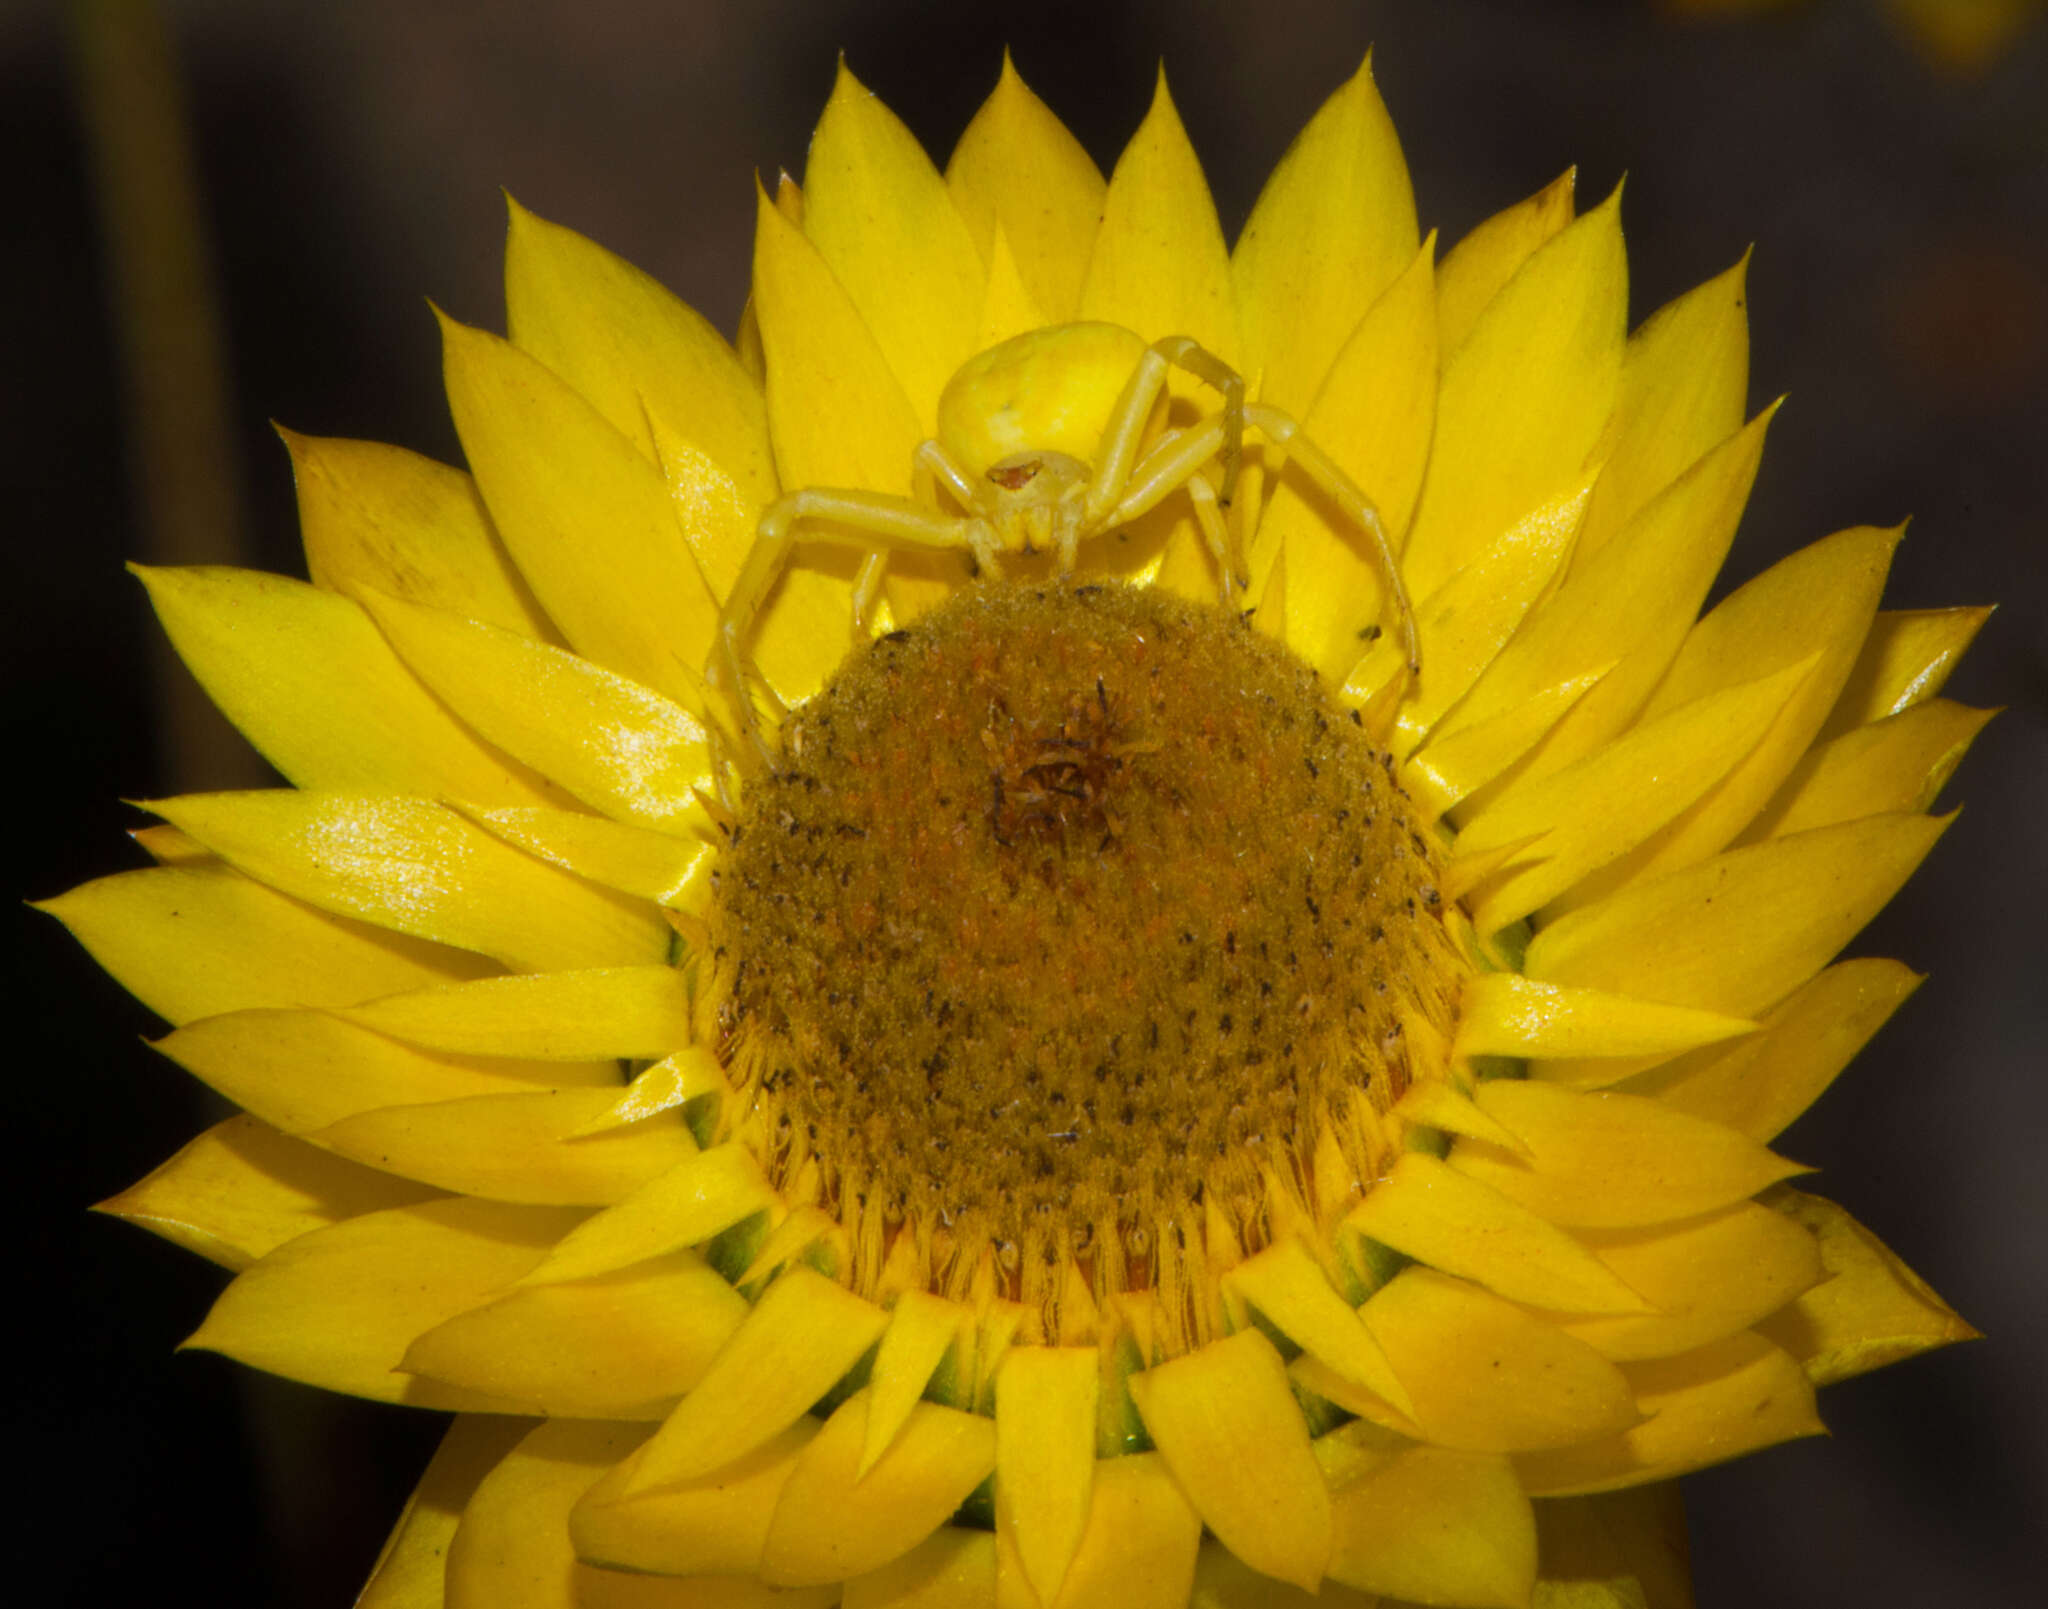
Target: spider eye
1015 477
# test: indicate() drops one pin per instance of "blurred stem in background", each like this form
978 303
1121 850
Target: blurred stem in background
166 320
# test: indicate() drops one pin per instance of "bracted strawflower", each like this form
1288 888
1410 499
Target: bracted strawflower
1092 925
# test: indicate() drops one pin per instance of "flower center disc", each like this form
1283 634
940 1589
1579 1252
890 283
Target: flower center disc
1069 909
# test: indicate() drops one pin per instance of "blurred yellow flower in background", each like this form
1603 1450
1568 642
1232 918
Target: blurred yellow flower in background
1959 36
1134 1101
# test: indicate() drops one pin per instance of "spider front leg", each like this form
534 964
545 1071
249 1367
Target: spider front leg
871 521
1342 490
1118 453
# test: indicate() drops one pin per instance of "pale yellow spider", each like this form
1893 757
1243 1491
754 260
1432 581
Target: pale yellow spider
1017 428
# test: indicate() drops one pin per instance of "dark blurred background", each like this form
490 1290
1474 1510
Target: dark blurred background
349 161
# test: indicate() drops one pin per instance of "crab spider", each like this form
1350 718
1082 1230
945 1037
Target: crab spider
1038 445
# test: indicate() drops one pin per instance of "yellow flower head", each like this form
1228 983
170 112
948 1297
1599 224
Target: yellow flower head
1093 924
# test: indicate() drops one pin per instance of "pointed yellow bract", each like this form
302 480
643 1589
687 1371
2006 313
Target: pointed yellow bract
1429 1523
411 1571
1045 1456
381 517
1160 266
1333 227
633 350
240 1190
420 869
514 1542
1225 1421
663 1322
1479 265
879 214
1871 1310
617 745
338 1307
1449 1220
1715 1403
612 1012
201 938
586 517
834 1520
1503 446
793 1344
1906 658
1684 383
1376 408
312 684
1606 1161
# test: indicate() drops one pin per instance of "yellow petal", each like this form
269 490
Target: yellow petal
1465 622
308 680
1138 1550
1706 1278
686 1206
1872 1310
611 1012
1739 932
532 1146
1486 259
1226 1422
953 1568
240 1190
1898 763
832 1521
587 518
1373 414
1719 1402
302 1070
419 868
199 939
1684 383
1486 1376
1625 613
1503 444
1455 767
1284 1283
1332 228
798 1339
1045 1456
1588 815
1813 610
661 1325
923 1328
671 871
837 412
1019 172
633 349
1758 1086
1505 1014
382 517
879 214
714 1525
1007 309
1442 1217
1432 1104
1159 266
1615 1550
1604 1161
1436 1526
338 1307
512 1546
611 742
412 1570
663 1086
1906 659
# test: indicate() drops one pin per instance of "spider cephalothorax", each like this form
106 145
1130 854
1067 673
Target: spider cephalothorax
1045 441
